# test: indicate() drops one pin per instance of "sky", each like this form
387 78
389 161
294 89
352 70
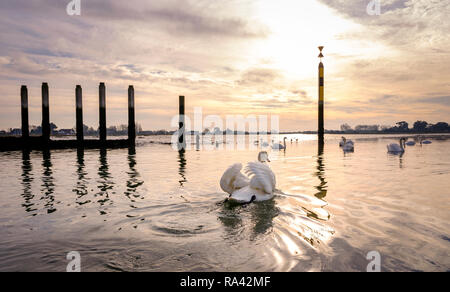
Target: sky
230 57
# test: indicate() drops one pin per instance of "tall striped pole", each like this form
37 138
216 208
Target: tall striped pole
321 130
181 128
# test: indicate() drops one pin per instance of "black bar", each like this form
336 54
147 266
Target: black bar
131 116
79 114
45 113
102 105
24 107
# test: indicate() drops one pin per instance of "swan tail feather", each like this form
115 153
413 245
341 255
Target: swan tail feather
262 177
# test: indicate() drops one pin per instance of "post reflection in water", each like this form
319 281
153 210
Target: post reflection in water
106 184
318 220
322 187
134 181
27 179
81 188
182 169
48 186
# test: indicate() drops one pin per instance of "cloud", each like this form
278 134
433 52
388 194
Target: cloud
413 23
228 58
440 100
259 76
177 17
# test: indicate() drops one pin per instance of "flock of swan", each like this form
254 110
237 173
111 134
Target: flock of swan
401 147
349 146
275 146
258 182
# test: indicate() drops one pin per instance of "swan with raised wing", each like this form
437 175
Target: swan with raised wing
397 148
256 186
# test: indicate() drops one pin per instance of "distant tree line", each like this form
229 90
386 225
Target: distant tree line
121 130
400 127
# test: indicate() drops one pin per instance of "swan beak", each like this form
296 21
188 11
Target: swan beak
268 160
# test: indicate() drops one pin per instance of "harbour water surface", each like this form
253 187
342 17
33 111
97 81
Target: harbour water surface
154 209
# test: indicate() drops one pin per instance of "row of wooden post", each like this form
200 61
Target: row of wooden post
79 113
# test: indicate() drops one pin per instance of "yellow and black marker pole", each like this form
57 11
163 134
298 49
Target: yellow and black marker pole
321 130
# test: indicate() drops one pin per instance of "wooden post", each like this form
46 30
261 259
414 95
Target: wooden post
131 116
45 114
79 114
24 106
181 130
102 96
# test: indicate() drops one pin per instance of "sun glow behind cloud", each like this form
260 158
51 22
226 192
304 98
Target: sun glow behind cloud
230 57
297 29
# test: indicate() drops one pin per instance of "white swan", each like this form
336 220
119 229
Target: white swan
348 147
258 186
424 142
397 148
279 146
344 141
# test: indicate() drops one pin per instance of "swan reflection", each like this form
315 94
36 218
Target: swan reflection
291 222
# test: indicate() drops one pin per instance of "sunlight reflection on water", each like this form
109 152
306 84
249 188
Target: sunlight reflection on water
154 209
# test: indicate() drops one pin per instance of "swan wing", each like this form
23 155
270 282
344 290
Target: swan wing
233 179
262 177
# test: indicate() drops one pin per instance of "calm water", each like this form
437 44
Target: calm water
154 209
